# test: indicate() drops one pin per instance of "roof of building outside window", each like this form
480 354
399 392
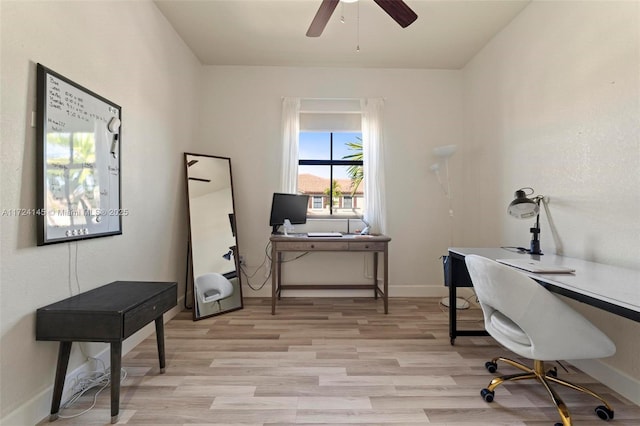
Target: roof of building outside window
312 184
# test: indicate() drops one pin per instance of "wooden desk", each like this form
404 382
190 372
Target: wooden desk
110 313
353 243
613 289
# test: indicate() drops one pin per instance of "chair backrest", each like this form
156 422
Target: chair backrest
212 281
555 330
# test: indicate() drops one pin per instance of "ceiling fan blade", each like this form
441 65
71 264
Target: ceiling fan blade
322 17
399 11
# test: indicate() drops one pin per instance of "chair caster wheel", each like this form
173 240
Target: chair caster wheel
604 413
487 395
557 424
491 366
553 372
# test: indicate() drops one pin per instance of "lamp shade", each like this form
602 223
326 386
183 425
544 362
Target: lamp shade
444 151
523 207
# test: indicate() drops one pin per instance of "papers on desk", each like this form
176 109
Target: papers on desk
536 266
324 234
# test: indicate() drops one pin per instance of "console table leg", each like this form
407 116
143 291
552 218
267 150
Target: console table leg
386 280
116 364
160 340
279 275
61 372
273 278
375 275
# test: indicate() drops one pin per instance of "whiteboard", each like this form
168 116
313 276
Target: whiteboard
78 154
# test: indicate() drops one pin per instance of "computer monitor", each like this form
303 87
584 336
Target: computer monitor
288 206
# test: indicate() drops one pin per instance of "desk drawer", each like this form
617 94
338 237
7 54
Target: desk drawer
314 246
366 246
142 315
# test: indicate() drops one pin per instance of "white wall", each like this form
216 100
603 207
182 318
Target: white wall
241 117
552 102
127 52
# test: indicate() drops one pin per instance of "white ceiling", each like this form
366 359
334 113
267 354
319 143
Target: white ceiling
446 35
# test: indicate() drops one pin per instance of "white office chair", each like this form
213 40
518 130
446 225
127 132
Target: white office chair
529 320
212 288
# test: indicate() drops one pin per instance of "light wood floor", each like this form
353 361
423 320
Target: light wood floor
334 361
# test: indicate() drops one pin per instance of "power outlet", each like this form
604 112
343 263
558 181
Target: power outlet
241 260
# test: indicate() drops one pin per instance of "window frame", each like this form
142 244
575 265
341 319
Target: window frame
331 163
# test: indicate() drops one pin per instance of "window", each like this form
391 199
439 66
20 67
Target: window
347 202
308 158
330 171
317 203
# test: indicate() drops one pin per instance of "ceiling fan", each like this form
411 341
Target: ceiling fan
397 9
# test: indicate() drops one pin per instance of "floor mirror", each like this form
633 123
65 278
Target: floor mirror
213 246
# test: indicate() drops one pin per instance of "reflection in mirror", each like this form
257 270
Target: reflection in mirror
212 237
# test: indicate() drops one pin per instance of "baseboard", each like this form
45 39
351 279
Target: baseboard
625 385
394 291
38 408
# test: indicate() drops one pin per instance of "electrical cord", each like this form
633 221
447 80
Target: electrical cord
73 267
248 277
76 270
445 308
266 256
84 382
100 379
249 282
517 249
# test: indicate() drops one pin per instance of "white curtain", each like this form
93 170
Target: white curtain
290 131
373 158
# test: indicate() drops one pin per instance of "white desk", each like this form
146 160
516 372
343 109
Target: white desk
607 287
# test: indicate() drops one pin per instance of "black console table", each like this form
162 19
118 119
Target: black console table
110 313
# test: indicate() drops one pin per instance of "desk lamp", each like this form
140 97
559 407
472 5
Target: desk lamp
523 207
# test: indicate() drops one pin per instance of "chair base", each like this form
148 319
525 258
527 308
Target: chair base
539 373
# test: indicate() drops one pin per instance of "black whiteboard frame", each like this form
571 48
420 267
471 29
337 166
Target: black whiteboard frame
42 112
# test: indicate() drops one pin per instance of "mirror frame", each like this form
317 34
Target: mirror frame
190 284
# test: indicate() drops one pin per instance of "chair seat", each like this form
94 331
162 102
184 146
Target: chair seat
212 287
507 329
211 295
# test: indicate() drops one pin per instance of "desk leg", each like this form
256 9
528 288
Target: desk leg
375 275
279 286
116 364
386 280
452 308
61 372
160 339
274 271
